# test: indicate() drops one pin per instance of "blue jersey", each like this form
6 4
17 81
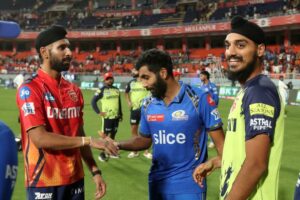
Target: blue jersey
212 89
178 133
297 190
8 162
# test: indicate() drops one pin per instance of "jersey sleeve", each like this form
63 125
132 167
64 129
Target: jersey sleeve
261 107
98 95
128 88
209 112
215 93
144 129
30 104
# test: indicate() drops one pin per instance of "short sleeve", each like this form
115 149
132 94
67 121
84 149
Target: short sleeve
144 129
31 107
209 112
261 107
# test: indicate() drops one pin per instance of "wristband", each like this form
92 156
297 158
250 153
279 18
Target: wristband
98 171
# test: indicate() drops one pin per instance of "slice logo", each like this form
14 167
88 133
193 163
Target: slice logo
179 115
24 92
156 118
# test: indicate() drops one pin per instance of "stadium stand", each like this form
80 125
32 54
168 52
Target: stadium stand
191 52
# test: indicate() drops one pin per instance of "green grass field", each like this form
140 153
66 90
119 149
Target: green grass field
126 178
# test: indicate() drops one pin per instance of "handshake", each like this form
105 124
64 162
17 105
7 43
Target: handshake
103 143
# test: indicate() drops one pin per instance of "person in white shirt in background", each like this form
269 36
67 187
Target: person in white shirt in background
283 90
19 79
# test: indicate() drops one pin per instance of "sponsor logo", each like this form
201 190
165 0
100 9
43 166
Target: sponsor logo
261 109
41 195
260 124
168 138
179 115
210 100
28 108
65 113
215 113
49 97
24 92
73 95
156 118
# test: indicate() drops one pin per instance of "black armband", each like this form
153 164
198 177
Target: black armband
94 173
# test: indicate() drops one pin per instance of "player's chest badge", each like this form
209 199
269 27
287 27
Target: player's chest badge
73 95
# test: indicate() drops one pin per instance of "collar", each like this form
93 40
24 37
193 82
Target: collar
176 99
251 81
48 79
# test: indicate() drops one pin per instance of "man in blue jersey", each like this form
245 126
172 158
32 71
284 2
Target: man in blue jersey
8 162
254 138
175 120
8 145
210 87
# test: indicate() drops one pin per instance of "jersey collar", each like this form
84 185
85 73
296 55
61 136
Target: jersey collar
176 99
48 79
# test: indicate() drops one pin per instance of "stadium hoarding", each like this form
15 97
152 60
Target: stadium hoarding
276 21
228 92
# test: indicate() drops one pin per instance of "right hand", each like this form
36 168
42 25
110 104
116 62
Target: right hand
106 144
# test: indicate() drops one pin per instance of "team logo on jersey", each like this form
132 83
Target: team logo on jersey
156 118
179 115
215 113
49 97
73 95
24 92
210 100
28 108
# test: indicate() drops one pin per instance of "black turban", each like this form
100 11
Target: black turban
50 35
248 29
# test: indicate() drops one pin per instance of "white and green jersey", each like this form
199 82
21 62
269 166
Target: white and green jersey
137 93
110 102
257 109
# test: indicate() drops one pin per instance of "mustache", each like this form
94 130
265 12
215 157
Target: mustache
239 58
67 59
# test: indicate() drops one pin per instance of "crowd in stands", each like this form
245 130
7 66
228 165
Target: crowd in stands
82 15
276 61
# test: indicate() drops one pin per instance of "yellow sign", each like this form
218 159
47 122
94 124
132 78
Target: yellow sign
261 109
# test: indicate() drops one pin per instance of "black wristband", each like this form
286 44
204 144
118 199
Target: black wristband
94 173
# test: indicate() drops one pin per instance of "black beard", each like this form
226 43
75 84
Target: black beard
159 88
242 75
58 65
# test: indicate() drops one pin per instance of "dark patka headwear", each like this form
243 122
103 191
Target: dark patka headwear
50 35
248 29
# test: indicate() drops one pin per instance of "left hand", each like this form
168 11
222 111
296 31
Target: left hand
202 171
100 186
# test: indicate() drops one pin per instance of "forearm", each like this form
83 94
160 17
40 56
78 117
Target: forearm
246 181
137 143
216 162
49 140
88 158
